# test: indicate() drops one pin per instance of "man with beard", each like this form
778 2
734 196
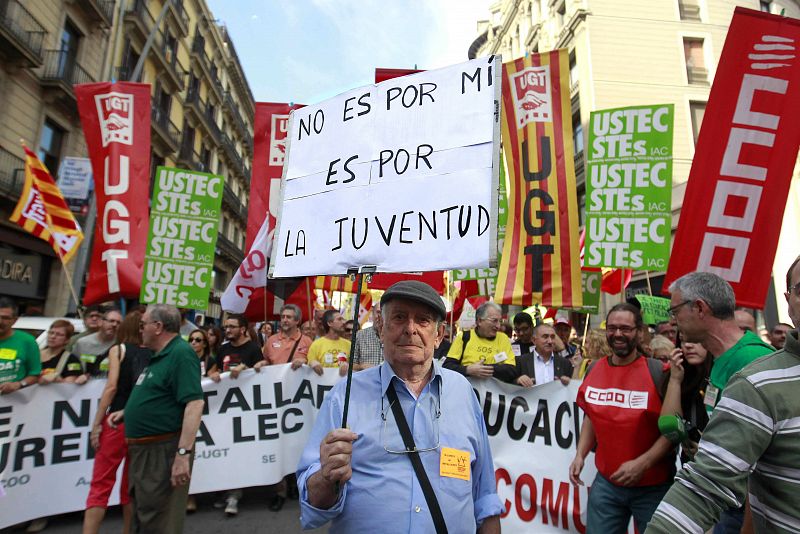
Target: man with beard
543 365
93 349
485 351
620 396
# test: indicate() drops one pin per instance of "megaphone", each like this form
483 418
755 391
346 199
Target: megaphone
673 427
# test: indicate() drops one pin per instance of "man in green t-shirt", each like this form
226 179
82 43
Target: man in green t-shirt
161 421
20 363
703 305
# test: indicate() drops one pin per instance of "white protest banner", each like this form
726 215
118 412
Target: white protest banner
75 178
533 434
402 175
252 433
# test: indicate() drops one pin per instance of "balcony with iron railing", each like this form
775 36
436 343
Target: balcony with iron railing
230 150
189 158
228 250
139 17
12 175
204 112
167 132
21 35
238 122
180 16
233 202
62 71
98 11
206 64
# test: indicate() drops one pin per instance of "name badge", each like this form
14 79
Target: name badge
454 463
8 354
276 344
517 350
712 392
500 357
88 358
328 358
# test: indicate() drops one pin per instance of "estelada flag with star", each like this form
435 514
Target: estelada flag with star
43 212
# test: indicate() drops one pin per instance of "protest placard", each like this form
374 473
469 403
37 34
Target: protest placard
654 309
629 188
402 175
179 256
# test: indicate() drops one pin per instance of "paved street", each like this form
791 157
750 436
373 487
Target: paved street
253 517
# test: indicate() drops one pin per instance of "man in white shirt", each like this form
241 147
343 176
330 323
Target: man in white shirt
542 365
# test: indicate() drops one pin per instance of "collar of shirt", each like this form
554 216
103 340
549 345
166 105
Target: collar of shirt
387 375
280 336
539 358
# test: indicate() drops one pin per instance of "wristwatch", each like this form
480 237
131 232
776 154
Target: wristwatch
184 452
22 384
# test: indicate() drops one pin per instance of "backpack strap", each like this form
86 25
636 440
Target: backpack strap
464 340
656 368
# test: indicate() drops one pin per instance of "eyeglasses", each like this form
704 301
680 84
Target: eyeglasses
196 340
623 329
794 290
397 442
673 310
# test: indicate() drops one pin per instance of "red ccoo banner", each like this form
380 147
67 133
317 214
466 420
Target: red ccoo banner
744 158
116 124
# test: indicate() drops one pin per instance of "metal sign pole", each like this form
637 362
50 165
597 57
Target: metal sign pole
356 274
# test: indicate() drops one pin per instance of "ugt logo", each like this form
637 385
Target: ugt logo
115 112
277 140
531 92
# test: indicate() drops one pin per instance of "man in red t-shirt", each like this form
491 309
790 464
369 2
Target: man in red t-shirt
622 403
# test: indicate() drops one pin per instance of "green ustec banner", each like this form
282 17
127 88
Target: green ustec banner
629 188
184 216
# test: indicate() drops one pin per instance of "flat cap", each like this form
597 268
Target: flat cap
418 292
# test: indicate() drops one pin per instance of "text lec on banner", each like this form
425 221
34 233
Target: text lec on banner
745 154
401 175
116 124
629 188
183 233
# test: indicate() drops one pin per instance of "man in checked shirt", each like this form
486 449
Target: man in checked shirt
369 348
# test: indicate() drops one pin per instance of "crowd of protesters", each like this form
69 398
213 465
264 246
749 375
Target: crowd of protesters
681 370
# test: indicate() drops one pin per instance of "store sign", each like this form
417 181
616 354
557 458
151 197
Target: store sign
19 274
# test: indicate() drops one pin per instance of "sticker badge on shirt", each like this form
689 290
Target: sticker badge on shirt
8 354
500 357
517 350
88 358
454 464
276 344
712 392
328 358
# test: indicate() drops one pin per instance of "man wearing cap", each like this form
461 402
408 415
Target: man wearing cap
563 331
437 471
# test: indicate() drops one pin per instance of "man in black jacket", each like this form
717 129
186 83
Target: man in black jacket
542 365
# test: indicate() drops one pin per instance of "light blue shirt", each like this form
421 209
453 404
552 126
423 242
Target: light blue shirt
384 495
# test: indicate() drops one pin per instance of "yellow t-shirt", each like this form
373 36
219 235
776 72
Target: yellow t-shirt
327 351
497 350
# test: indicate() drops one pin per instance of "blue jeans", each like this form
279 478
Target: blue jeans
730 521
610 507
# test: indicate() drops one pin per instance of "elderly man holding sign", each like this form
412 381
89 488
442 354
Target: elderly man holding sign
416 455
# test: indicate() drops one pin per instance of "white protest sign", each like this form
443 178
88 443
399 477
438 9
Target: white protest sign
75 178
252 433
402 175
533 433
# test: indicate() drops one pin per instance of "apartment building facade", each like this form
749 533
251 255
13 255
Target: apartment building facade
625 53
201 119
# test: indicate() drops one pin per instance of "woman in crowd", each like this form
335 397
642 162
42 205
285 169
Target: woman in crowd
594 348
126 360
215 338
59 364
198 340
661 348
690 367
309 330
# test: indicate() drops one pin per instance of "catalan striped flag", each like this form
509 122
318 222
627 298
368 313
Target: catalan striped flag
43 212
540 263
337 283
